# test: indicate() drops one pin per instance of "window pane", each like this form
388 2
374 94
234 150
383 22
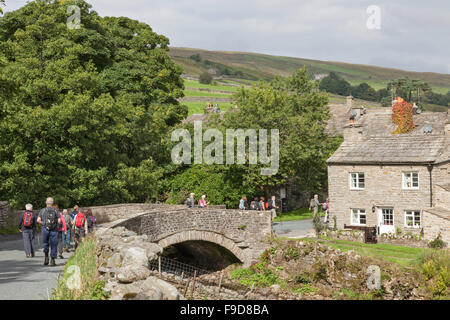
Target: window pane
361 180
353 179
362 219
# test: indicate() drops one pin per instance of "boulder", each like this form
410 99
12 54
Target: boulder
132 273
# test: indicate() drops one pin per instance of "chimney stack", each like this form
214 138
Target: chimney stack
353 132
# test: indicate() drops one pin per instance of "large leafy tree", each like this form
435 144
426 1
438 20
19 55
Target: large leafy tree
83 112
295 107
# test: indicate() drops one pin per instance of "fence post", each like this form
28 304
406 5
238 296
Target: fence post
220 281
159 265
193 284
187 286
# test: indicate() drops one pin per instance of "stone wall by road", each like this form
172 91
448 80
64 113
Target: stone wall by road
4 213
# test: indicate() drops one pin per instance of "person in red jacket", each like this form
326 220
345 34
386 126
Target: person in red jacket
61 228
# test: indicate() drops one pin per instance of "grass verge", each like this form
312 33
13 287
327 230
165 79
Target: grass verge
299 214
80 279
401 255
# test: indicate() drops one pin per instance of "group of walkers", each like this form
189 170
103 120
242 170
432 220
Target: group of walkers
202 203
58 229
315 203
258 204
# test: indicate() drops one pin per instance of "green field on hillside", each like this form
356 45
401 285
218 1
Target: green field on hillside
260 66
195 84
199 107
193 93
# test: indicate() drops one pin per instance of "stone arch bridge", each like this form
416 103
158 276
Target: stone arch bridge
243 233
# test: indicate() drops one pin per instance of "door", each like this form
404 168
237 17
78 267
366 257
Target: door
386 220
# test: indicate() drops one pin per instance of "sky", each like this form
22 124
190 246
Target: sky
404 34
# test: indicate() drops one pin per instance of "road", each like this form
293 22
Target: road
24 278
294 229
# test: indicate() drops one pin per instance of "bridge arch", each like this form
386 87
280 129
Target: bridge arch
208 236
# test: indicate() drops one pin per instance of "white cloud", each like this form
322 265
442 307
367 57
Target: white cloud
414 35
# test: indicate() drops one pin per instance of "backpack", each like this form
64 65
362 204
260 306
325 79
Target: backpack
324 206
51 221
90 222
27 218
79 220
267 205
254 205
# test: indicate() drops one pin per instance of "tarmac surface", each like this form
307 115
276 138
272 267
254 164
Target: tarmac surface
24 278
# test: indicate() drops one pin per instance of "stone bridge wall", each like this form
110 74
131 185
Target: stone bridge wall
241 232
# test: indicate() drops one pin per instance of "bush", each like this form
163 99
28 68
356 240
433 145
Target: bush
437 243
205 78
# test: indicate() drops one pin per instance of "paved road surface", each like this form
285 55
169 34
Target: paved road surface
22 278
294 229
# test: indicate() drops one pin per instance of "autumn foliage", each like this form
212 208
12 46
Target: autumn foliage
402 116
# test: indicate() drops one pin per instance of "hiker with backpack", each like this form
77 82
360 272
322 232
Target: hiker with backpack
90 221
66 237
73 214
190 201
49 219
202 202
314 204
254 205
27 226
272 206
62 231
80 228
262 205
243 203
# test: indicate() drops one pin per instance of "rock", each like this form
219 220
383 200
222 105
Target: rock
134 256
132 273
115 261
124 292
276 289
153 250
128 233
118 231
169 291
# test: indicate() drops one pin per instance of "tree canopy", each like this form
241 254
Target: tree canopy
83 112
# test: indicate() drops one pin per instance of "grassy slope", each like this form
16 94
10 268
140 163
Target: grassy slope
266 66
404 256
90 285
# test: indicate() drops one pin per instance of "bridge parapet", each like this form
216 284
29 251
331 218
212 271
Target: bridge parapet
241 232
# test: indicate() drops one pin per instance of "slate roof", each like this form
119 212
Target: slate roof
377 144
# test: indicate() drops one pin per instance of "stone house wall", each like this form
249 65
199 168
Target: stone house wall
433 225
383 188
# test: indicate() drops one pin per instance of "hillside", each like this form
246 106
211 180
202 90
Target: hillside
253 66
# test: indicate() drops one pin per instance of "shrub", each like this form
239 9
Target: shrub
437 243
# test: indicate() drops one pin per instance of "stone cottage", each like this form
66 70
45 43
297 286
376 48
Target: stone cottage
392 181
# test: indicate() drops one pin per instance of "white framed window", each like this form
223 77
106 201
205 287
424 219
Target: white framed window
358 217
411 180
412 219
357 181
